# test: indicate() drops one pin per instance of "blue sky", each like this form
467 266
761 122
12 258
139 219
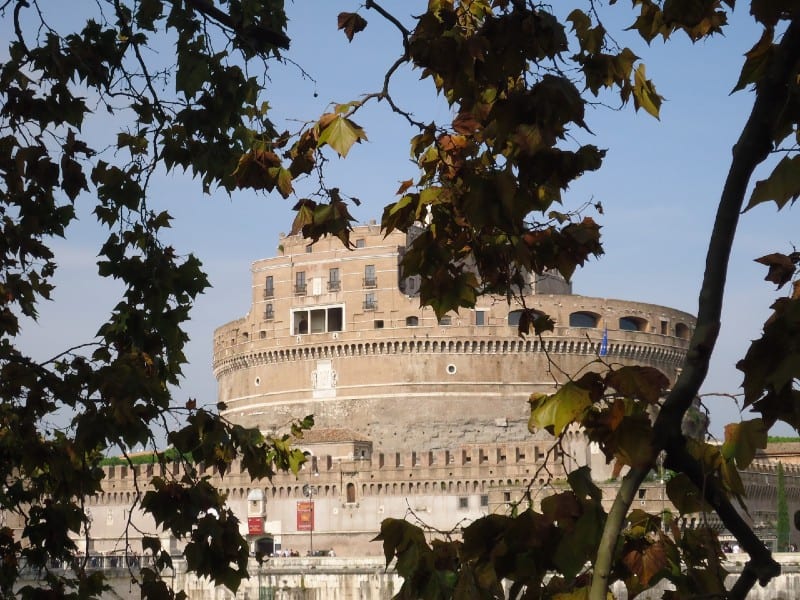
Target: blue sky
659 187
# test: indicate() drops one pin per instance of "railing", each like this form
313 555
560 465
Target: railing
334 286
300 289
269 315
370 282
269 293
370 305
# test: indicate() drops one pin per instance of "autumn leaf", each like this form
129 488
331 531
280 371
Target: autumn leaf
642 383
742 440
644 92
351 24
781 267
645 560
340 133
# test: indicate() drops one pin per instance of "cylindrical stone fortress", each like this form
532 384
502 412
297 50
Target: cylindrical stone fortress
340 334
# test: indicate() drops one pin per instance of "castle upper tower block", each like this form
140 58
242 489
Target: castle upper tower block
340 334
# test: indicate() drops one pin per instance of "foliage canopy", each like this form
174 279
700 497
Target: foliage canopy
518 78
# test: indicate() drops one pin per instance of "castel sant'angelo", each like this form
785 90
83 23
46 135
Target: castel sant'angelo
414 415
340 334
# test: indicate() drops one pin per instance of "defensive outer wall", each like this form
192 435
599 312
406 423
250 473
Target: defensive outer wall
368 579
340 334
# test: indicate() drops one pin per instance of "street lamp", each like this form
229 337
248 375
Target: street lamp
309 491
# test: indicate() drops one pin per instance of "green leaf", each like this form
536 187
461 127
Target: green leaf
685 496
340 134
742 440
580 480
782 185
556 411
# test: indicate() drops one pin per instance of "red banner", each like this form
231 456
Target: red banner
305 515
255 525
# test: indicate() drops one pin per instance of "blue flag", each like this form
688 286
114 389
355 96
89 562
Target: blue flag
604 343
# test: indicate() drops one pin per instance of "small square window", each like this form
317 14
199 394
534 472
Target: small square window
463 502
378 323
309 248
361 243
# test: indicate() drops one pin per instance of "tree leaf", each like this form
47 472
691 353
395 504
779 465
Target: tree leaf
340 134
556 411
644 92
742 440
782 185
351 23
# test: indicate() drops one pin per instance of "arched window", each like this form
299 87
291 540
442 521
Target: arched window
412 321
632 324
351 493
682 331
583 319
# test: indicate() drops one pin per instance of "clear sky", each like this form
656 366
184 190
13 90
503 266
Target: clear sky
659 187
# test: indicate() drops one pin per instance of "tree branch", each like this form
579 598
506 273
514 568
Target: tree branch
250 33
752 148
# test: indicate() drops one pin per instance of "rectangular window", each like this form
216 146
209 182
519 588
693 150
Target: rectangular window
463 502
506 496
269 313
334 285
370 281
370 303
484 500
361 243
317 320
480 318
446 321
269 289
309 248
300 283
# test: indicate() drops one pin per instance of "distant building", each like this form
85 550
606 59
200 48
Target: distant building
415 417
340 333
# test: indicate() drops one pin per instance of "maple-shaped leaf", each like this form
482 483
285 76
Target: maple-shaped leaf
757 60
556 411
632 441
305 215
685 496
743 439
781 267
340 133
351 24
782 185
644 92
645 560
643 383
255 170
